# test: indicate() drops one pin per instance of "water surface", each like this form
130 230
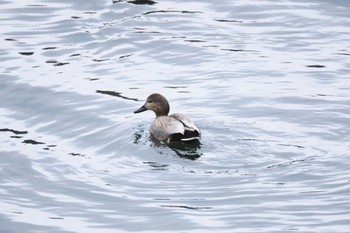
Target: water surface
266 81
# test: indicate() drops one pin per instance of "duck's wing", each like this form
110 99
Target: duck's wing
187 122
164 126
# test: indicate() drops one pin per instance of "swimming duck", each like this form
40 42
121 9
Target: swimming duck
170 128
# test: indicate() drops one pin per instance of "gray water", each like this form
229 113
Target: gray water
268 83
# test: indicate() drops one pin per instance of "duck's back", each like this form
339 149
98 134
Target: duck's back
175 127
187 122
191 130
164 126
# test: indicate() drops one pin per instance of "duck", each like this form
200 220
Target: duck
171 128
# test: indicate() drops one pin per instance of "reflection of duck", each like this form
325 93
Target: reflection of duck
170 128
183 150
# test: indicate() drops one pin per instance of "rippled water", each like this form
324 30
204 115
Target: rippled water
267 82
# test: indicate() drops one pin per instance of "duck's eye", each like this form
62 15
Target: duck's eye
150 101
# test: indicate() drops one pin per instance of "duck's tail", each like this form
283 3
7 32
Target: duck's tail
188 136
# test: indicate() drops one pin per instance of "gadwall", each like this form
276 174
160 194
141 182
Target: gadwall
169 128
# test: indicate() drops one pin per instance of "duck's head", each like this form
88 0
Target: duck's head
157 103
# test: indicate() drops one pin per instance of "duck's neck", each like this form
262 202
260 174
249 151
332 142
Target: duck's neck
163 109
159 114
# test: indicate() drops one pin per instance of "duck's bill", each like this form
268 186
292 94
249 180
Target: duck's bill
142 109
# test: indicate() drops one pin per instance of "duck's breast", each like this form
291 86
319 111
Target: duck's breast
164 126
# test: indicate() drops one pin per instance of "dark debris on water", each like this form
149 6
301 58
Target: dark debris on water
26 53
316 66
33 142
13 131
116 94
